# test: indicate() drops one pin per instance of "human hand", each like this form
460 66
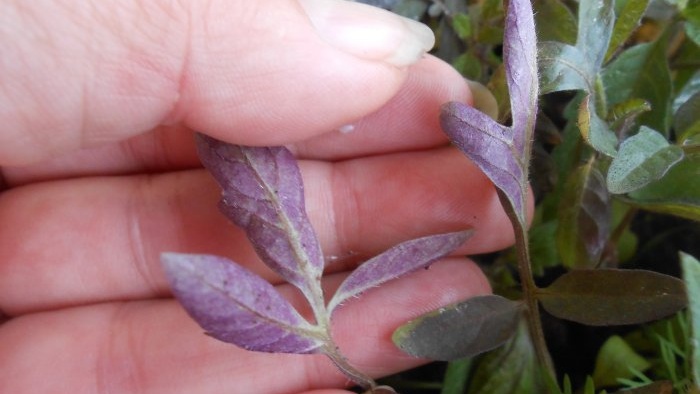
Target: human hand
98 103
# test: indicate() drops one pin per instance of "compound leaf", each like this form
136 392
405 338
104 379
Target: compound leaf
236 306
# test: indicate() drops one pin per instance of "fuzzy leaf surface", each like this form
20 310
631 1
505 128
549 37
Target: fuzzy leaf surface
594 130
262 192
460 330
605 297
502 153
677 193
399 260
642 159
584 224
564 67
596 20
236 306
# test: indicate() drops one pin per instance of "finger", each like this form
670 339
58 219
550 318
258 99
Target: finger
153 346
249 72
409 121
93 240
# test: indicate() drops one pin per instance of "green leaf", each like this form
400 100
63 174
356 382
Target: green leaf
687 120
594 130
623 115
642 159
468 65
691 277
460 330
692 24
554 21
543 247
606 297
584 224
509 369
662 387
617 360
691 88
677 193
642 72
564 67
456 376
462 24
596 19
628 21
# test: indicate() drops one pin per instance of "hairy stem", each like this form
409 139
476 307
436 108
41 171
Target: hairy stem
359 378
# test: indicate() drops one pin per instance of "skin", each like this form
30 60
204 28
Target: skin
101 177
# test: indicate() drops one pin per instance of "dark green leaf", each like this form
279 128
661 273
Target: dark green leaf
642 72
691 88
642 159
691 277
554 21
584 224
622 116
456 376
663 387
460 330
628 21
414 9
468 65
687 120
543 247
606 297
677 193
509 369
617 360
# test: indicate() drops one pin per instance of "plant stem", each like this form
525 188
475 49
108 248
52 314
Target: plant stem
530 293
353 374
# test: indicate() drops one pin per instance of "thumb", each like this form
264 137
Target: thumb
249 72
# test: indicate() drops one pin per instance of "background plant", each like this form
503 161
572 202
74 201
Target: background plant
614 166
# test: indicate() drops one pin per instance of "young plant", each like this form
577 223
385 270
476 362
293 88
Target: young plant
598 297
264 195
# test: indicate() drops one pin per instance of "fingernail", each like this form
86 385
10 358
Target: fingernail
368 32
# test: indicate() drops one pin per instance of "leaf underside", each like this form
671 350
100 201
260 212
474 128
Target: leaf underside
399 260
236 306
263 193
502 152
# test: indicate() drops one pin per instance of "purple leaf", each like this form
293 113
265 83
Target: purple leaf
236 306
503 152
490 146
520 60
263 193
401 259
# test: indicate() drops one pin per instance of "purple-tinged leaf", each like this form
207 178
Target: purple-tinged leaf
606 297
490 146
503 152
263 193
520 60
399 260
236 306
460 330
584 218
